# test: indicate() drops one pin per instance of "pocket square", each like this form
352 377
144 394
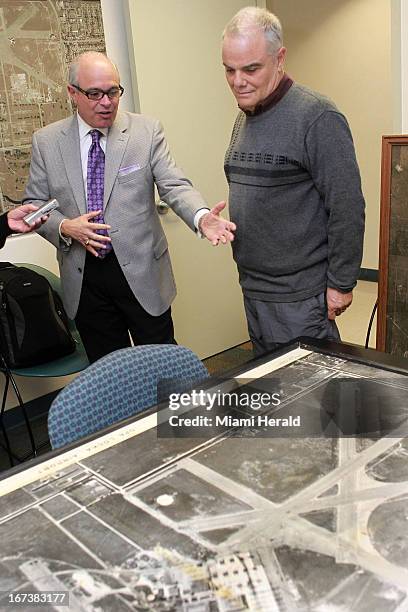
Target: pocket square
128 169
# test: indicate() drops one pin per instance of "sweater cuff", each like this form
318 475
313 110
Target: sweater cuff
341 289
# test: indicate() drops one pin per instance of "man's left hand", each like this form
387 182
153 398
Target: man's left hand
15 219
215 228
337 302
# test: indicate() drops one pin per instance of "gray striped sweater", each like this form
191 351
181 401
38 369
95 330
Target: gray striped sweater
295 195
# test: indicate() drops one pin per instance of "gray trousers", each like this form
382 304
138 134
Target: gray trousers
271 324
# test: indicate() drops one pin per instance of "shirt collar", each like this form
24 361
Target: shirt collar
84 128
285 84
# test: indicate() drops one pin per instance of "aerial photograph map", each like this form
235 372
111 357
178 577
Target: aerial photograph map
38 40
242 520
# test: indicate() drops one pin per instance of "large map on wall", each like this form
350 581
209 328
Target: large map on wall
38 40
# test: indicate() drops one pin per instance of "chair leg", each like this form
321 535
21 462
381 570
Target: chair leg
26 419
3 427
10 378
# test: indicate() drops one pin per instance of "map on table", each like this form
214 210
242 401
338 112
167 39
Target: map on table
241 521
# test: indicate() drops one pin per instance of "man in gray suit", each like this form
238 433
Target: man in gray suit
102 166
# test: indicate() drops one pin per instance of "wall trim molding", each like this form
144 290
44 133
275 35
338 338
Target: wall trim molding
368 274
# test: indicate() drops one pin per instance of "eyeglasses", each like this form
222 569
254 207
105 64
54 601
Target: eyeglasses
97 94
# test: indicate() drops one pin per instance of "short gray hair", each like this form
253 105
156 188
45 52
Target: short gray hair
75 65
253 18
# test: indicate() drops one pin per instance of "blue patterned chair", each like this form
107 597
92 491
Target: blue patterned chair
120 385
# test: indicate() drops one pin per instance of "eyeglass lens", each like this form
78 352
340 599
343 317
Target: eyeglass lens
97 94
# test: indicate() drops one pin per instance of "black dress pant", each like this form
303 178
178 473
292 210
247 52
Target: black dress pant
108 311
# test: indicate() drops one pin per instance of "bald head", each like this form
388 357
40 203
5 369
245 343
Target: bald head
87 61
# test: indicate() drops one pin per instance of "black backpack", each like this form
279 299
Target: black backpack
33 323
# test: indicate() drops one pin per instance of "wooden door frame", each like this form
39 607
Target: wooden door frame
388 142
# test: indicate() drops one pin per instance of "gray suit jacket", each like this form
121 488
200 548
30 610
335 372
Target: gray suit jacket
134 143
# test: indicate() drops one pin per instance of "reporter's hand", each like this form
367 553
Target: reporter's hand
83 230
16 215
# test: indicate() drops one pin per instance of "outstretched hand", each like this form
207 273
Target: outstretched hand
215 228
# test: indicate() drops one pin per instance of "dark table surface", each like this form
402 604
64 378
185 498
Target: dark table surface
262 515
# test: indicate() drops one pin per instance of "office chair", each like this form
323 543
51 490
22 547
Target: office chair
120 385
70 364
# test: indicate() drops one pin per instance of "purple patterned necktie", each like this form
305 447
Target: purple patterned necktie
95 184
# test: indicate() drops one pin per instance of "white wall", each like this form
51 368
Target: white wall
399 16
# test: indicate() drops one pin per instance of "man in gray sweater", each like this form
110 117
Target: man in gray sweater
295 191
